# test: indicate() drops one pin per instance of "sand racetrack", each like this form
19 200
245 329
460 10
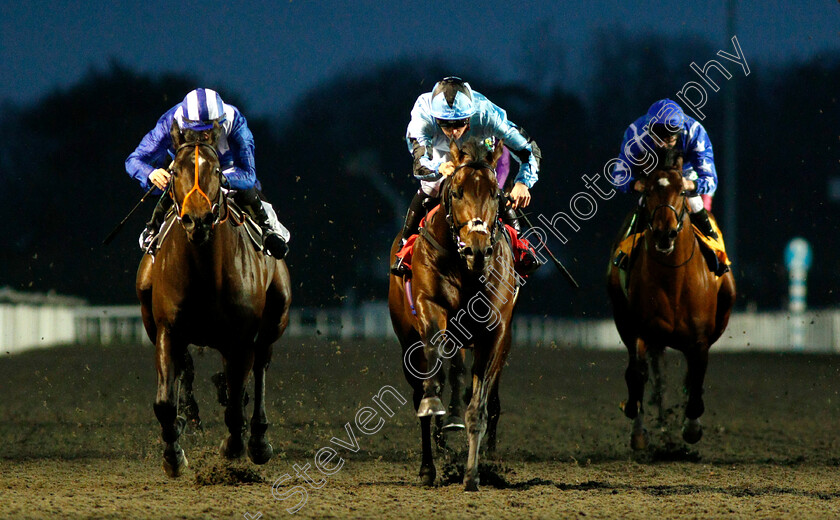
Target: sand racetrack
80 440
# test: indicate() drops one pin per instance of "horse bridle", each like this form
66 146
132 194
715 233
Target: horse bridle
455 226
215 208
681 221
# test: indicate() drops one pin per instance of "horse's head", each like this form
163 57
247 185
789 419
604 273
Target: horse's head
196 181
471 200
665 201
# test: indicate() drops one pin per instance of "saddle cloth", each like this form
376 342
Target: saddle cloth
519 246
716 247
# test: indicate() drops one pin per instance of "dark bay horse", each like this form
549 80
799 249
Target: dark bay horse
207 286
673 299
463 292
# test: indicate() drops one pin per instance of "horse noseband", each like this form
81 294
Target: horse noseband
679 214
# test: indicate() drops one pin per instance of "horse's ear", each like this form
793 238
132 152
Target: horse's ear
214 135
455 152
175 134
497 152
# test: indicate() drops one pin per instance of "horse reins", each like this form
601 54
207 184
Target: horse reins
214 207
455 226
681 219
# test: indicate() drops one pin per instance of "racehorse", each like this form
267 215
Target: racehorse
463 294
673 299
208 286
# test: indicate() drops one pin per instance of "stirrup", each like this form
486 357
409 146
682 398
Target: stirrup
398 268
147 238
621 260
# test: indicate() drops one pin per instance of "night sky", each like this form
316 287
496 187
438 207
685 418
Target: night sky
270 53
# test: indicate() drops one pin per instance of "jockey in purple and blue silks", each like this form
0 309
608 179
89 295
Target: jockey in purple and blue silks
198 111
666 126
452 110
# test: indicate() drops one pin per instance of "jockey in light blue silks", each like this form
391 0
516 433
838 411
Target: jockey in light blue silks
666 126
198 111
452 110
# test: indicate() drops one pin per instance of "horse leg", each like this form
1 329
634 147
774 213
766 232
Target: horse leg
169 360
236 374
143 287
697 361
494 408
636 376
431 403
485 377
428 473
454 420
259 449
187 398
656 363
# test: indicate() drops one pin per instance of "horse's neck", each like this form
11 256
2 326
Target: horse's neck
438 228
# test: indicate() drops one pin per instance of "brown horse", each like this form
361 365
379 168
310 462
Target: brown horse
463 293
208 286
673 299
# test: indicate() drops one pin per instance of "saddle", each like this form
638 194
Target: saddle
238 217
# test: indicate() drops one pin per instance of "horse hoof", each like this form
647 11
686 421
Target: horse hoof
260 452
430 406
453 423
194 427
639 440
471 484
174 464
692 431
427 476
232 452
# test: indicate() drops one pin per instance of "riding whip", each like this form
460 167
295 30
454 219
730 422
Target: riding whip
117 229
560 267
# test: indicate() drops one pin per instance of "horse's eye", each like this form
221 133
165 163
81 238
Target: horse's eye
458 193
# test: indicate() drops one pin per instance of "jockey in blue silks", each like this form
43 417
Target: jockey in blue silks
666 126
198 111
452 110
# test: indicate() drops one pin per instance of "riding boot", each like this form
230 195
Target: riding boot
415 213
701 221
250 201
508 215
153 225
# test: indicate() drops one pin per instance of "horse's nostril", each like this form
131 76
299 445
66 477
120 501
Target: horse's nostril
488 251
468 251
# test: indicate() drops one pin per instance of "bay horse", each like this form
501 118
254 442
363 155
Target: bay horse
463 294
673 299
208 286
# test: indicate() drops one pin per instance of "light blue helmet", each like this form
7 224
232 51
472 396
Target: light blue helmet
452 99
200 108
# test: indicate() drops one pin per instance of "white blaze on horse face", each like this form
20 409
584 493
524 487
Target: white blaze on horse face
477 225
663 182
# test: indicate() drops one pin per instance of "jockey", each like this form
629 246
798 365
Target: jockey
198 111
452 110
666 126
